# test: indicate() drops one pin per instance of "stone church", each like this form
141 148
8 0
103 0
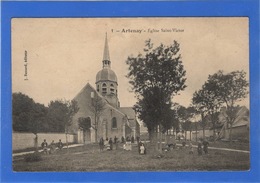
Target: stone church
113 120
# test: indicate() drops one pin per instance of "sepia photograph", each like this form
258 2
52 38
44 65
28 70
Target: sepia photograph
130 94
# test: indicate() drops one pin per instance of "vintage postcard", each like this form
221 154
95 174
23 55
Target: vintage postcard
130 94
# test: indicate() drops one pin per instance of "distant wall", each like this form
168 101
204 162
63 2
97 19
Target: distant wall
241 132
26 140
208 133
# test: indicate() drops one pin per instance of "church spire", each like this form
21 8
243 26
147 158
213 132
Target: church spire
106 57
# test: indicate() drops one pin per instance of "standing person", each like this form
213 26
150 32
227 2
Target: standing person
60 145
110 143
132 139
122 139
44 146
199 148
101 144
115 140
205 146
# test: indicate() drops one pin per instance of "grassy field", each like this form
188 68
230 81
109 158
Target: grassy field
88 158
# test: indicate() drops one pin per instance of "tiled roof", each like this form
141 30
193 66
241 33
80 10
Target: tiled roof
129 111
241 120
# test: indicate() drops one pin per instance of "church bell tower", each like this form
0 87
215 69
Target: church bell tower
106 79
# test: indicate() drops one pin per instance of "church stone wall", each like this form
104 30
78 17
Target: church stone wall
105 120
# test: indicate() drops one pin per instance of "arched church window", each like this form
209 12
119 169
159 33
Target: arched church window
114 122
104 88
98 88
112 89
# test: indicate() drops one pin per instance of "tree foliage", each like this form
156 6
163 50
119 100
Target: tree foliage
159 67
84 123
156 76
60 113
222 90
28 116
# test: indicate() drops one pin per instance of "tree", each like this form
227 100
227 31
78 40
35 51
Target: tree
222 90
208 104
230 88
28 116
145 108
156 77
97 107
61 112
22 107
84 124
184 116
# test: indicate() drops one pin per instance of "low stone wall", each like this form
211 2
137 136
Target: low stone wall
26 140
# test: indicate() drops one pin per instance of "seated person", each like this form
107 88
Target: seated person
128 146
52 147
106 144
166 148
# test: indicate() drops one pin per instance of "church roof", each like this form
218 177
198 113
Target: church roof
129 111
242 117
106 74
83 94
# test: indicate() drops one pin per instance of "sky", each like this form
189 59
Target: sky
59 56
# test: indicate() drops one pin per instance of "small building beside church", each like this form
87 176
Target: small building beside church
240 127
113 120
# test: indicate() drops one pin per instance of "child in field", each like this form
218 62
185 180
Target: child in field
142 149
44 146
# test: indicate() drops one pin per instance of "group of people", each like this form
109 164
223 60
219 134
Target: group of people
108 143
52 146
203 146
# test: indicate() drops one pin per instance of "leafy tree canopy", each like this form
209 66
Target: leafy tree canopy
84 123
156 76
